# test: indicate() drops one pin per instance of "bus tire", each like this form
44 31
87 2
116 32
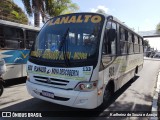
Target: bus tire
1 89
136 70
108 92
135 73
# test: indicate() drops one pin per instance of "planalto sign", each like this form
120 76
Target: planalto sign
76 19
57 55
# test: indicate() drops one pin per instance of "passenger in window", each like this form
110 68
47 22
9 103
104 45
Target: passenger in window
111 41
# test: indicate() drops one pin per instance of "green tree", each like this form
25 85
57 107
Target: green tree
48 8
11 12
146 43
57 7
158 27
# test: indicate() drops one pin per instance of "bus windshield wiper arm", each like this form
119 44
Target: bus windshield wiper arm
66 54
63 39
65 48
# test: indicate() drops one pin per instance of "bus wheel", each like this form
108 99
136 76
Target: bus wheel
136 70
135 73
1 89
106 97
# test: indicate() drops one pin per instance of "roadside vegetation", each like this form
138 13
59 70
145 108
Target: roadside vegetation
12 12
48 8
35 8
158 28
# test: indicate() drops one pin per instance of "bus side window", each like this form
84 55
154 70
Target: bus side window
136 44
123 40
30 38
2 42
110 36
130 43
13 37
20 37
141 45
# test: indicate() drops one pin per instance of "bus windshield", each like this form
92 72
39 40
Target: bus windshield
70 37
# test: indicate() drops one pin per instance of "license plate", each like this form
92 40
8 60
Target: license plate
47 94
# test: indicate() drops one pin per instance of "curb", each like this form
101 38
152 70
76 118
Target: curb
155 99
154 59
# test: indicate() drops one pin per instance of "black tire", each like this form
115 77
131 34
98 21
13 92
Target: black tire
1 89
135 73
106 97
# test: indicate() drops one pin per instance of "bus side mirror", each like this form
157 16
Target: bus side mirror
111 34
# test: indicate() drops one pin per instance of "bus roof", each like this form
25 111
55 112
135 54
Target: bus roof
9 23
106 16
122 23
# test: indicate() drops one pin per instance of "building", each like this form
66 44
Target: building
153 37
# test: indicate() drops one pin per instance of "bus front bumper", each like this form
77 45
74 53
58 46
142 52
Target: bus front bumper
72 98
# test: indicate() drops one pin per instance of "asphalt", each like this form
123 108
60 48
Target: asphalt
135 95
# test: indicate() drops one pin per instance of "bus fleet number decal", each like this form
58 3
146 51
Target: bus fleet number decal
111 71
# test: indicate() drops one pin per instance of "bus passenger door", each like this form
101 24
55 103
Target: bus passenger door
109 51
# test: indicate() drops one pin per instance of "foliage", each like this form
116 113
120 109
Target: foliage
158 27
146 43
11 12
54 8
47 8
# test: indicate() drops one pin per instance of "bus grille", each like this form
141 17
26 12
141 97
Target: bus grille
51 81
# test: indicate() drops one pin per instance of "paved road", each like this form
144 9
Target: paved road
134 96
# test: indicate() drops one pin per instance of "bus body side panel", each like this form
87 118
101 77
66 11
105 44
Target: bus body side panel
121 68
100 87
15 62
24 70
13 71
129 69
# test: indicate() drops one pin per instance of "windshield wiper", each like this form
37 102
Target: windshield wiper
64 45
63 39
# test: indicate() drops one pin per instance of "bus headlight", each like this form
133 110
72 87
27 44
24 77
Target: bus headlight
86 86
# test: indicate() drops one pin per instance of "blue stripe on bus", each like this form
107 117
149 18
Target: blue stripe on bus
16 56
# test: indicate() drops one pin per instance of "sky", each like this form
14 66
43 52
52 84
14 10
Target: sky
140 15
